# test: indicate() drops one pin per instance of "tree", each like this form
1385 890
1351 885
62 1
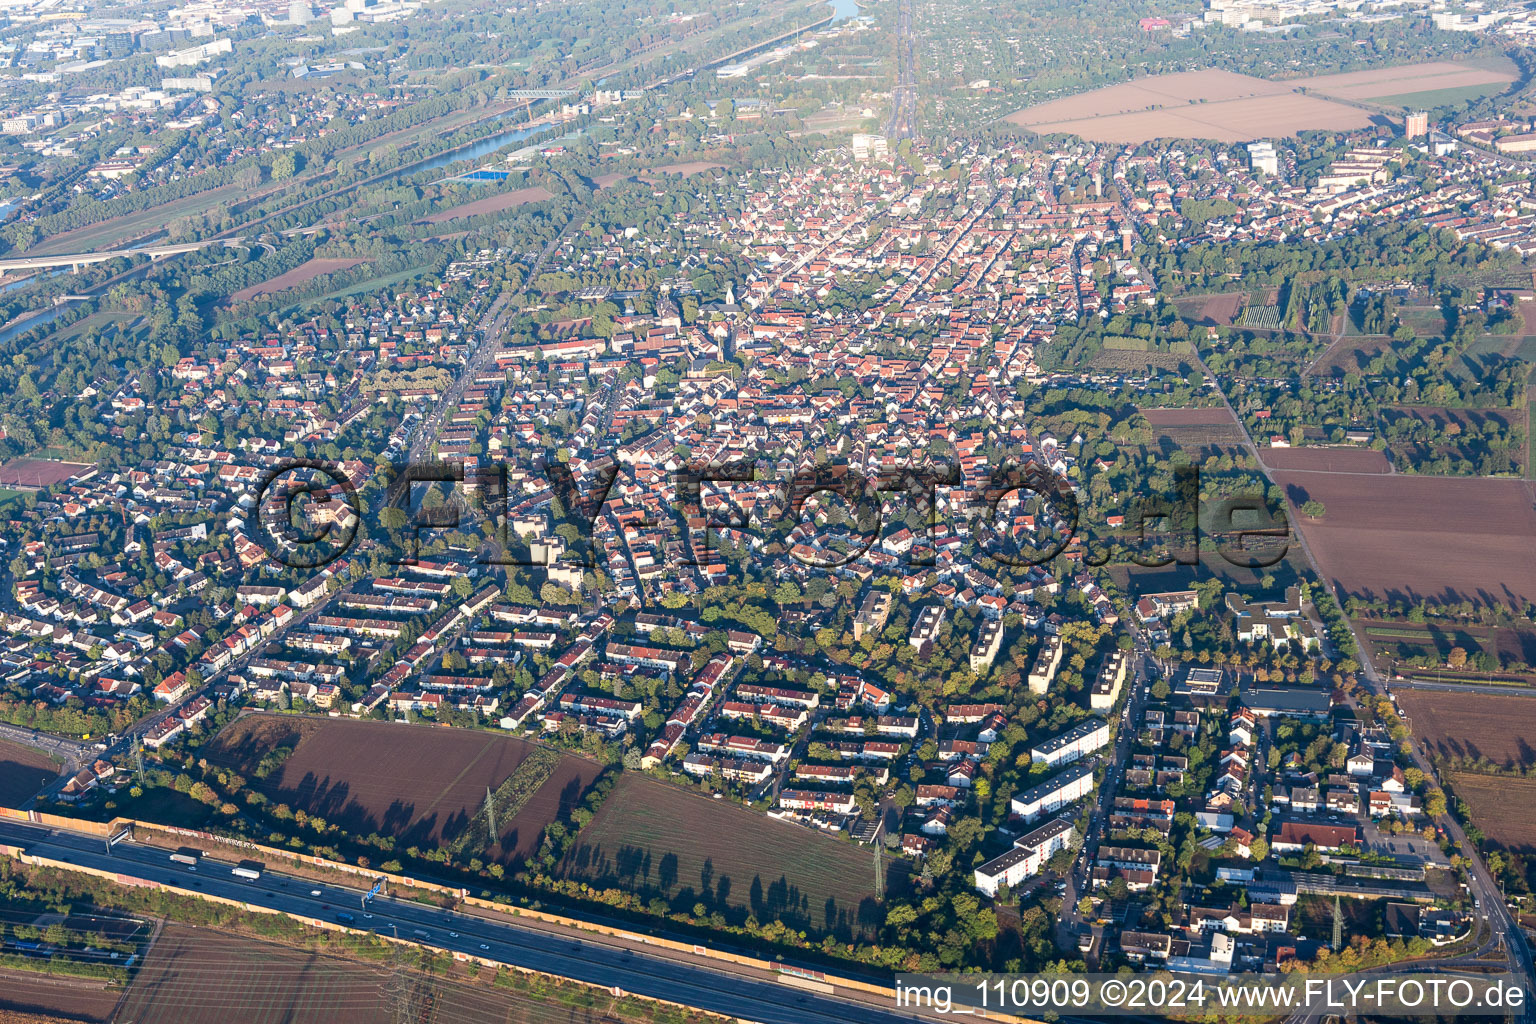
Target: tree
1313 509
1457 657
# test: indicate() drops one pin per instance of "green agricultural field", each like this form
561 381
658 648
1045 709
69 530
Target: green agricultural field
657 840
1434 98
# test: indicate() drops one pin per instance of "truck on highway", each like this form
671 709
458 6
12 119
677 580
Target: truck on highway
248 870
186 856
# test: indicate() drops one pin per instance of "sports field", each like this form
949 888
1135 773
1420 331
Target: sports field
33 474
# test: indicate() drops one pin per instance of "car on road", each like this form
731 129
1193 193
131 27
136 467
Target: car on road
453 935
484 946
314 892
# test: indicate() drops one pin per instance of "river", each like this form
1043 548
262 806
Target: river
31 321
482 147
842 10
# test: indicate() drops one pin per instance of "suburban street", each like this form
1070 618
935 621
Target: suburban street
903 121
122 746
1071 924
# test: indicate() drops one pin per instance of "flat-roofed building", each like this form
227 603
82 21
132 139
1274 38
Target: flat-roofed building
1027 858
1082 739
1054 793
1047 661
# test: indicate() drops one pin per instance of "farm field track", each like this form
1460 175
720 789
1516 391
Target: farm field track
1182 105
1396 536
23 771
27 998
1503 807
419 784
490 204
653 839
1403 82
1502 729
199 976
306 271
1326 460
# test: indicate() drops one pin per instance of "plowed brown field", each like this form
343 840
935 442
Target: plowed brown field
417 783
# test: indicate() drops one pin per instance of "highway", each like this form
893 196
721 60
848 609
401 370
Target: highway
76 260
598 960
